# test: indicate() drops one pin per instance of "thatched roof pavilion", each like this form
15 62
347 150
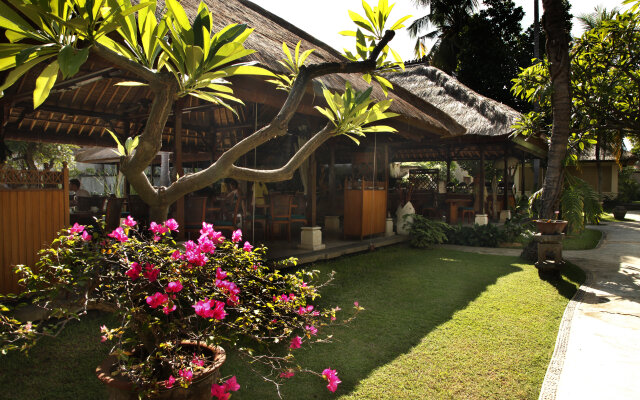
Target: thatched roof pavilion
488 123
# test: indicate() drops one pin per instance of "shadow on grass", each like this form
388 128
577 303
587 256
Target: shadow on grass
406 294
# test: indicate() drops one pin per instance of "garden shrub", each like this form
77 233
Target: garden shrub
477 235
424 232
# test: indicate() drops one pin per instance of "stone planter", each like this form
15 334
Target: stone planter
619 212
119 388
550 227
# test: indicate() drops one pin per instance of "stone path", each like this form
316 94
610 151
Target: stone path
597 353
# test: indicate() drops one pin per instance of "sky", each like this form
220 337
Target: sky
324 19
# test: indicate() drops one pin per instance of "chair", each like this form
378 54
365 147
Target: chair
112 214
194 213
299 206
227 216
467 212
261 216
280 211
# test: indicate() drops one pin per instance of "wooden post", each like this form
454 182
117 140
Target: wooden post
522 181
177 113
312 188
482 183
505 194
65 190
448 169
332 178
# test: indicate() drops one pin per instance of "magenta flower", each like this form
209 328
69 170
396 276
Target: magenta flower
157 299
311 329
171 224
220 274
232 384
216 237
210 309
119 234
86 236
247 247
76 229
157 229
206 245
176 255
220 392
174 287
190 245
207 229
236 236
186 374
356 304
134 271
287 374
332 377
304 310
151 272
130 222
169 382
166 309
296 342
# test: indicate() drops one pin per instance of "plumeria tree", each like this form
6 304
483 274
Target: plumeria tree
177 57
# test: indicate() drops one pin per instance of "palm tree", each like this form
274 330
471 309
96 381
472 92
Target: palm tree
594 19
557 47
447 17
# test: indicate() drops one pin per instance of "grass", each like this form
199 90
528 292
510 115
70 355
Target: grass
438 324
587 239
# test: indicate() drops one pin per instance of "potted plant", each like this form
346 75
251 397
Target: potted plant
551 226
619 212
176 306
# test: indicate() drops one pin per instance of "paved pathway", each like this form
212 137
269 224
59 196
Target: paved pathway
597 354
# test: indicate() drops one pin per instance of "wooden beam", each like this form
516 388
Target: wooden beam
482 180
312 190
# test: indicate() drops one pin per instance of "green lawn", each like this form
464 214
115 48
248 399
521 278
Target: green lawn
587 239
438 324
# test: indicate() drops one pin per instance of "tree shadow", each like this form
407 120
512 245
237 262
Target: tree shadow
406 295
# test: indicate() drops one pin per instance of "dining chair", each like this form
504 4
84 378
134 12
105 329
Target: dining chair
280 212
194 214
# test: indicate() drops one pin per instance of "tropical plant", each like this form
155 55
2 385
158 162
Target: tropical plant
628 188
215 291
176 57
31 155
580 203
477 235
424 233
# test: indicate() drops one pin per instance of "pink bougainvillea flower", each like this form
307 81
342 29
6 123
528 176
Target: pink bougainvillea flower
296 342
216 237
206 245
171 224
220 274
174 287
157 299
151 272
166 309
86 236
119 234
220 392
157 229
169 382
197 361
130 222
156 238
332 377
232 384
311 329
190 245
186 374
287 374
76 229
176 255
236 236
134 271
356 304
210 309
207 229
247 247
304 310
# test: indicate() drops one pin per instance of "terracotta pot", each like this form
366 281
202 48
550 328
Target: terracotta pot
553 227
120 388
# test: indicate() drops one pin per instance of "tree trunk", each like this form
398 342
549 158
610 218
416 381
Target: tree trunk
158 213
599 166
558 54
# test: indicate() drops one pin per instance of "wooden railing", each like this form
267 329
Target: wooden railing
34 206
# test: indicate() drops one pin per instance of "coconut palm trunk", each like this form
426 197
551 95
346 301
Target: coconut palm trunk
557 47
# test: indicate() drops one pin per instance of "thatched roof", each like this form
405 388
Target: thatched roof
478 114
271 31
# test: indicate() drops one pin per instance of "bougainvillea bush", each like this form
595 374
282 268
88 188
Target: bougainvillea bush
214 290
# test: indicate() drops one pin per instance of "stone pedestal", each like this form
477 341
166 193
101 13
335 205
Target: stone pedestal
332 224
482 219
388 228
311 238
549 255
505 215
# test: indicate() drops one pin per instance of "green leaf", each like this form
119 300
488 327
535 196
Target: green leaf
120 147
71 59
44 83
